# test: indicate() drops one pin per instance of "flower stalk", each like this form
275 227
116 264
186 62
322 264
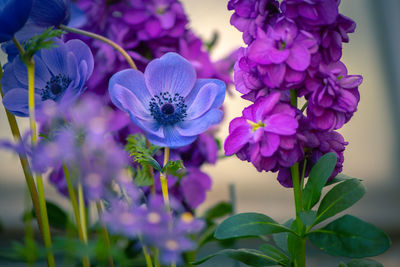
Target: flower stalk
163 181
104 40
105 232
39 180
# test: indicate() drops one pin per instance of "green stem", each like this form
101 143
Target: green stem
105 233
82 212
75 208
104 40
163 180
146 253
25 164
40 188
300 257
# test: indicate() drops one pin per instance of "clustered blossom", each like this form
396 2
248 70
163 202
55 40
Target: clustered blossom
294 50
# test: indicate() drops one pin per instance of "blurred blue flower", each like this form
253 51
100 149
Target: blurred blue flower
13 15
167 101
48 13
60 75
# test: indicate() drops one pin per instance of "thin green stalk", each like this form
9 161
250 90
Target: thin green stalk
82 212
40 188
163 180
104 40
24 163
303 174
156 260
146 253
300 258
75 208
105 233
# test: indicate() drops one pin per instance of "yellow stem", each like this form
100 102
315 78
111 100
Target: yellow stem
40 188
75 208
82 211
105 233
163 181
104 40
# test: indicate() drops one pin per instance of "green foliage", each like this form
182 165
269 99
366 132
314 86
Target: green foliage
250 257
174 168
293 241
142 152
143 177
319 174
58 218
339 198
40 41
351 237
248 224
211 43
307 217
281 239
361 263
23 252
340 178
274 253
219 210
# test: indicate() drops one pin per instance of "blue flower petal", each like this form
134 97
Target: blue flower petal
82 53
126 100
9 81
16 101
134 81
210 95
42 75
55 57
170 73
50 12
13 15
200 83
172 138
149 126
201 124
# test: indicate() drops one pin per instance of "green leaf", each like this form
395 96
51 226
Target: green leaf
275 254
351 237
248 224
339 198
319 174
340 178
363 263
307 217
58 218
40 41
141 151
219 210
250 257
142 177
174 168
280 239
207 235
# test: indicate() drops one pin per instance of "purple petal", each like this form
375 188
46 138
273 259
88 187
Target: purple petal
351 81
172 138
135 16
153 27
299 58
167 20
269 144
42 75
82 53
16 101
55 58
265 105
237 139
170 73
281 124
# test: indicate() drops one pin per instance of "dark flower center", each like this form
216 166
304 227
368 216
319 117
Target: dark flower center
56 87
167 109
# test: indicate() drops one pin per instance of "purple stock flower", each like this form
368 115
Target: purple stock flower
333 96
194 187
283 53
265 134
253 14
156 18
167 101
203 150
60 76
311 12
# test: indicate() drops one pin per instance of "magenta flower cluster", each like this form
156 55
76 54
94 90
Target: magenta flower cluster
294 51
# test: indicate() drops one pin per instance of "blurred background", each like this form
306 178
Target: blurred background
373 133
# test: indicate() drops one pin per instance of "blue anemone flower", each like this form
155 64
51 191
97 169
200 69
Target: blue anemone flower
60 75
13 15
167 101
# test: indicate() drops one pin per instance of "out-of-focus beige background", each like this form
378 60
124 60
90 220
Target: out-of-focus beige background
372 153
